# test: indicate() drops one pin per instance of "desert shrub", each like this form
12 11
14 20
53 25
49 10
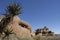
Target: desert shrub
7 32
38 37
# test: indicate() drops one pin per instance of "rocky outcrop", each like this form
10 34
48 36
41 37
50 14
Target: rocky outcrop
23 31
44 32
20 28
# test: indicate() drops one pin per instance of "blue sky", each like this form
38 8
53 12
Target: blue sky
38 13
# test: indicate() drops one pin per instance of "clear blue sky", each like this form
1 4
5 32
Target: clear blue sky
38 13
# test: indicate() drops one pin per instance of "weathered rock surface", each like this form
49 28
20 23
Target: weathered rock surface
21 29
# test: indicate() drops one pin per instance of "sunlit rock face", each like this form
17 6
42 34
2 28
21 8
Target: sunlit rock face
19 27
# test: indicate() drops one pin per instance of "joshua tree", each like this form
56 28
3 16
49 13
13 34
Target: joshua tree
12 9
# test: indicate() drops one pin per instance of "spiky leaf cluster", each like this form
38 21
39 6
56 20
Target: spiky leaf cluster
14 9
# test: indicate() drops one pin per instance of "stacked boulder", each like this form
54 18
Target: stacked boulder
44 32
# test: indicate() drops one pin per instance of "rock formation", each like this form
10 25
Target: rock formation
20 28
23 31
44 32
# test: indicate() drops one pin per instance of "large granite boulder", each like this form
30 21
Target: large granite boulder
21 29
18 27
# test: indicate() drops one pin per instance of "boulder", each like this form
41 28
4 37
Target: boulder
20 28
